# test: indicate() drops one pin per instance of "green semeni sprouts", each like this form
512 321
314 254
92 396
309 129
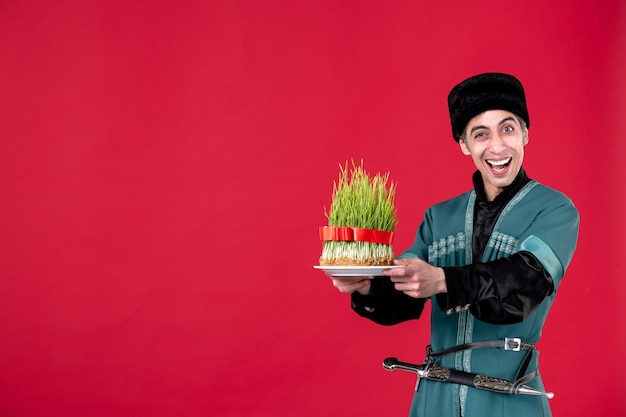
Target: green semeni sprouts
362 201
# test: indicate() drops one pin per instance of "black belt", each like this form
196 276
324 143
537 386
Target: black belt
508 343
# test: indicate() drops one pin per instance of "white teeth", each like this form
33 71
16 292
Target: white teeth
498 163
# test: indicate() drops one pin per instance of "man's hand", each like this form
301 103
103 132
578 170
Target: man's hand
351 284
417 278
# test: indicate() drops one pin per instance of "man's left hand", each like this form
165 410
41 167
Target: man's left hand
417 278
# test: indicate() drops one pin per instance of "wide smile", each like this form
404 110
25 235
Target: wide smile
499 166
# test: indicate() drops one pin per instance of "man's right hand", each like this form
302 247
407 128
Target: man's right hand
349 285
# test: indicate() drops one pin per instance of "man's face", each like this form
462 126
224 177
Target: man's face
495 140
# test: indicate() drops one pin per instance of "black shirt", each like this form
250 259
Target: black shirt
486 212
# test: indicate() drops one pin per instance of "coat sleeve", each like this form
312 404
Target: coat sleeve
385 305
509 289
503 291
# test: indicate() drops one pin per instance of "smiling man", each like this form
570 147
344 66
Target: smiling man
489 260
495 140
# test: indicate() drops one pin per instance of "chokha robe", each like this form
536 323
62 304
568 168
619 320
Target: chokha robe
537 219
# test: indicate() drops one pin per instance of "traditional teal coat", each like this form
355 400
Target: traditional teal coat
537 219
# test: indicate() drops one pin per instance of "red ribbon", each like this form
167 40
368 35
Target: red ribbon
355 234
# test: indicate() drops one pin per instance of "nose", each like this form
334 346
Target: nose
496 143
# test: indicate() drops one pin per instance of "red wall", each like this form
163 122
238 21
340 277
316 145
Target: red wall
165 165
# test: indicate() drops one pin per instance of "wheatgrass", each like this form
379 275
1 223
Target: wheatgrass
362 201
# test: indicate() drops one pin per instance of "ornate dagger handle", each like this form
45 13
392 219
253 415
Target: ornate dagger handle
437 373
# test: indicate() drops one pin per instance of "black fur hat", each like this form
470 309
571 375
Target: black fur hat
482 92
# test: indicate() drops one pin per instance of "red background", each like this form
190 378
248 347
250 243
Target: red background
165 165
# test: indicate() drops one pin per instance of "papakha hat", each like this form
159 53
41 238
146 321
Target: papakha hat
482 92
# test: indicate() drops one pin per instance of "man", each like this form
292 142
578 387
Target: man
489 260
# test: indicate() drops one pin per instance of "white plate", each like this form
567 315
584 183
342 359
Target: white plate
355 271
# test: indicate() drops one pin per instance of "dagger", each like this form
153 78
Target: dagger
435 372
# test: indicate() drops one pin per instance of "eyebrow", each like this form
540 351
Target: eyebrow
506 119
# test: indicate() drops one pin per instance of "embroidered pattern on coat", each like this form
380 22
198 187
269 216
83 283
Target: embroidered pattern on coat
503 243
446 246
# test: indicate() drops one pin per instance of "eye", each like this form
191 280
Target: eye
508 128
480 135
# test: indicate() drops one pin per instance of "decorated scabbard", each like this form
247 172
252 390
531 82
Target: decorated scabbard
435 372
